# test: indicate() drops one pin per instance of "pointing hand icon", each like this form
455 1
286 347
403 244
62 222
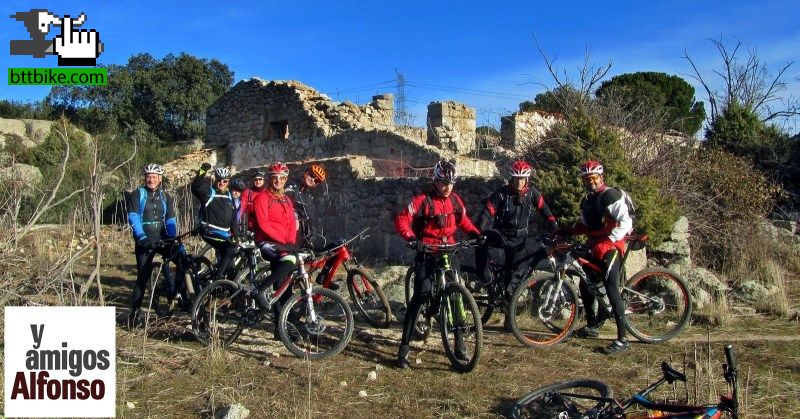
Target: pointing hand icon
77 46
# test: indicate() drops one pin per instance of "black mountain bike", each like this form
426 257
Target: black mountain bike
452 306
587 398
195 268
316 324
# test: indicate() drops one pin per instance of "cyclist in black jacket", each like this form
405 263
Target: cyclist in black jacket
217 214
511 210
298 191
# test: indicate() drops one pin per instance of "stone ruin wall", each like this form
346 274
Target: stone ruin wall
243 123
521 129
451 126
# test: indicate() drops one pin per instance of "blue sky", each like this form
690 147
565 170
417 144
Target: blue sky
478 53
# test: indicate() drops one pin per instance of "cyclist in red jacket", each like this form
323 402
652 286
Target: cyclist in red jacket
275 234
249 198
430 218
606 220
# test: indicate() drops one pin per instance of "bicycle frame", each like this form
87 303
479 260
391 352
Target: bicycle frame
331 259
562 261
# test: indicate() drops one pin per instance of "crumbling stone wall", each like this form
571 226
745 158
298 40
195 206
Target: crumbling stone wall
451 126
520 129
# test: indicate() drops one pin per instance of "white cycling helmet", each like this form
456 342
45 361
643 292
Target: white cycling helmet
445 171
222 173
153 168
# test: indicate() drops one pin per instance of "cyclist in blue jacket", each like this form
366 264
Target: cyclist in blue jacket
151 216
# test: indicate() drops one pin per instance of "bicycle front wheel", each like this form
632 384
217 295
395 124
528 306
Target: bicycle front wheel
657 305
319 330
461 327
220 313
569 399
369 299
541 313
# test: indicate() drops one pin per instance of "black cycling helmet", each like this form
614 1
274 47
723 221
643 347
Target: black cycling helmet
238 184
445 171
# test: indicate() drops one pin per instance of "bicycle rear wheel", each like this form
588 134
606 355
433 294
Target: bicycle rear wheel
323 336
461 327
369 299
540 314
568 399
657 305
221 312
482 298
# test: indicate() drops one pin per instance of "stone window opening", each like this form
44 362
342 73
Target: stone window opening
278 130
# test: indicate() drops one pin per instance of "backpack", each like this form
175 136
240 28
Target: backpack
424 216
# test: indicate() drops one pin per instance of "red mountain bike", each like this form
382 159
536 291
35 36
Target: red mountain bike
544 308
365 292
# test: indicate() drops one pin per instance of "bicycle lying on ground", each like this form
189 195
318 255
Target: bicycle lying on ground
195 269
366 293
452 306
544 309
316 324
593 399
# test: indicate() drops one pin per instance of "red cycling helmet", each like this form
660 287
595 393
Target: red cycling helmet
278 169
591 167
521 168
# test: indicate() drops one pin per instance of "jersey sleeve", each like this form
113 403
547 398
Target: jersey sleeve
134 220
489 210
544 210
618 210
465 224
170 220
403 220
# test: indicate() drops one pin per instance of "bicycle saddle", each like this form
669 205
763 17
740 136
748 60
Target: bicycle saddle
670 374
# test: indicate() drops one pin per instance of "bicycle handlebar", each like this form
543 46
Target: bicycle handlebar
444 247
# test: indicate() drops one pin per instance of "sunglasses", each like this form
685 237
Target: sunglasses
223 181
256 179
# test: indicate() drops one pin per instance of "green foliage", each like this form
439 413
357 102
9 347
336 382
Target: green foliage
557 100
730 197
646 93
21 110
582 138
148 98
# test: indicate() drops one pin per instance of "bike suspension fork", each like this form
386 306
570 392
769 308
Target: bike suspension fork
312 316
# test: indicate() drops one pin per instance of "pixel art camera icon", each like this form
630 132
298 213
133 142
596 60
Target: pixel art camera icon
74 47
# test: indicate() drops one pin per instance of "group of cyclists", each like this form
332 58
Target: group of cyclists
276 214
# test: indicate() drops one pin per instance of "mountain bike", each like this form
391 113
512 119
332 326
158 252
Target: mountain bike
195 269
452 306
316 324
494 296
544 309
366 293
588 398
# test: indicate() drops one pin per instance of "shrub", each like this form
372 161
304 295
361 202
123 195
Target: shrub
580 138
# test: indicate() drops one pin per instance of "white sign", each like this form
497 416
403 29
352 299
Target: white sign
60 362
